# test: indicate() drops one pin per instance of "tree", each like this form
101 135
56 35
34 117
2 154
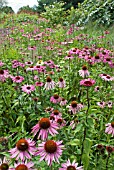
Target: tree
3 3
7 10
68 4
25 9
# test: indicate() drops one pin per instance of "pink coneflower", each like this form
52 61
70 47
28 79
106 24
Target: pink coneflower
23 149
61 83
31 68
23 166
73 123
32 48
28 88
71 166
61 122
55 98
49 109
45 126
109 103
87 82
110 128
101 104
97 88
56 114
1 63
4 164
110 149
84 72
17 79
3 75
69 56
97 58
108 78
39 84
75 107
50 84
29 63
50 151
63 102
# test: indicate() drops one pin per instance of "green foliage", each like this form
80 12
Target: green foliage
99 12
54 13
7 10
26 9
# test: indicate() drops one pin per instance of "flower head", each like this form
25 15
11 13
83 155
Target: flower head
87 82
28 88
110 128
71 166
17 79
45 126
75 107
23 166
50 151
84 72
55 98
24 147
50 84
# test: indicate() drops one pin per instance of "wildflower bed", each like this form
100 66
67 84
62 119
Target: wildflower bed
56 102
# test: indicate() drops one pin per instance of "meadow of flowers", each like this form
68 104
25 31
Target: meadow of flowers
56 96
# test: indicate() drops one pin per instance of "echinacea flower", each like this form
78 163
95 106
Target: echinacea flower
71 166
101 104
110 128
84 72
109 103
1 63
50 84
17 79
110 149
55 98
75 107
50 151
23 149
97 88
28 88
56 114
3 75
4 164
23 166
45 126
87 82
61 83
63 102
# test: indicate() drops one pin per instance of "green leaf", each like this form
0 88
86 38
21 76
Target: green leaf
74 142
85 160
87 146
78 127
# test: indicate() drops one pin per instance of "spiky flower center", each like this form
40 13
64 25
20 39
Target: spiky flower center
99 146
4 166
21 167
2 72
17 78
28 87
63 99
22 145
44 123
108 77
112 124
97 57
56 96
61 79
60 121
89 83
84 68
104 74
56 112
108 59
50 146
109 149
48 79
71 167
74 104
